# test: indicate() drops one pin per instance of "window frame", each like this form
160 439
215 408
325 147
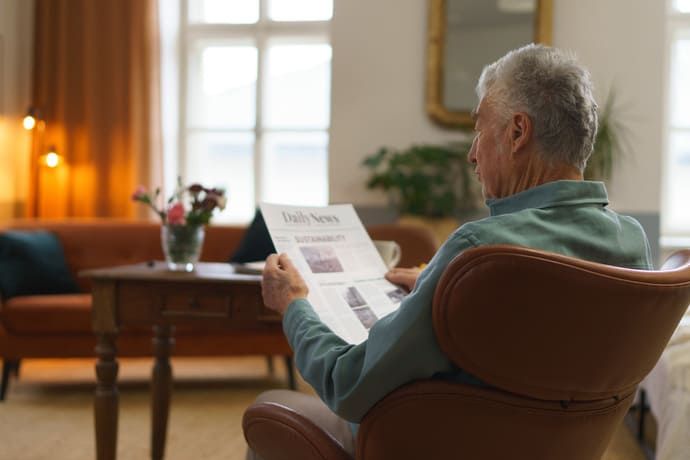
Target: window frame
677 23
260 34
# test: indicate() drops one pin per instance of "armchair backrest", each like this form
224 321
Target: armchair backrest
561 342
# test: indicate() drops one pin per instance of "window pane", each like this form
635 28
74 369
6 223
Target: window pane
298 86
678 184
222 86
300 10
682 6
224 11
225 161
680 76
295 168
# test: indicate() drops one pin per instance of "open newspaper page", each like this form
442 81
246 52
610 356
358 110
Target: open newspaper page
339 263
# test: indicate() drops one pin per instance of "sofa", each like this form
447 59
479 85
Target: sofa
48 323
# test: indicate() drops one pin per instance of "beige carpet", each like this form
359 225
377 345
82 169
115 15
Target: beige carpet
48 411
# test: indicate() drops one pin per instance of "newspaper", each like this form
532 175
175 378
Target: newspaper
338 261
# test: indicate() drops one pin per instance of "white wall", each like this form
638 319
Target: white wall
379 86
379 50
622 43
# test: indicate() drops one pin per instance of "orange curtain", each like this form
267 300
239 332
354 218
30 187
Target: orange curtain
96 79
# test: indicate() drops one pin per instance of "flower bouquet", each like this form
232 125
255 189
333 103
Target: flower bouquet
183 219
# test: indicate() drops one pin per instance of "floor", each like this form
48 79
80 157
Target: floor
48 412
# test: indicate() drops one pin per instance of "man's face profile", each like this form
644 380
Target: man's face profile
488 153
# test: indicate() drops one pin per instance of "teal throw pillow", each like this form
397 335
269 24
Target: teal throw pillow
33 263
256 243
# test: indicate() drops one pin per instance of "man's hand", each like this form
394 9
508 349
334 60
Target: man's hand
281 283
406 277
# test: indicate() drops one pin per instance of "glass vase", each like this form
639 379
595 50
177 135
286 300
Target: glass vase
182 245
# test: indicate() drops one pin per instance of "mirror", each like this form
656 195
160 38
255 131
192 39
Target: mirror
464 36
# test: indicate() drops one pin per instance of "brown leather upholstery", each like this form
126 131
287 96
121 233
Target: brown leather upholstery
570 329
277 432
565 341
562 342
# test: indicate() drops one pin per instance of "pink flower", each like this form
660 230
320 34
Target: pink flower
176 214
140 193
202 203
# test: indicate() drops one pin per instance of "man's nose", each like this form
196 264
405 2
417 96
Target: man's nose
472 154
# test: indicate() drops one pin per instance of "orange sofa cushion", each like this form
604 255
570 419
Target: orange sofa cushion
56 313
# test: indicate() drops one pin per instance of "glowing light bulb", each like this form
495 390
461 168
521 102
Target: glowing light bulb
52 159
29 122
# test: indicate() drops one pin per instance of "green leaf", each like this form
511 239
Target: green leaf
427 180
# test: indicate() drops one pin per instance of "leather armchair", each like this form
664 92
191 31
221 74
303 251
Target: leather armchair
562 344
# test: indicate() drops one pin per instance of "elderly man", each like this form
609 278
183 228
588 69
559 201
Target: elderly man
535 126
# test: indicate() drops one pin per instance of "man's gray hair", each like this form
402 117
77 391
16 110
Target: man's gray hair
555 91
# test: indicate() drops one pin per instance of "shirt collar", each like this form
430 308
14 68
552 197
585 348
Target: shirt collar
557 193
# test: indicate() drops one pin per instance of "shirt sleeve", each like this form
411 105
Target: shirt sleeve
401 346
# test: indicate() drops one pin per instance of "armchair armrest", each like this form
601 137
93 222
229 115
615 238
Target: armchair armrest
277 432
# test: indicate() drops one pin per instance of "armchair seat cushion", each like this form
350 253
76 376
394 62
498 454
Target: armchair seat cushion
55 313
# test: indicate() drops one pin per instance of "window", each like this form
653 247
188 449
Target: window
676 211
254 100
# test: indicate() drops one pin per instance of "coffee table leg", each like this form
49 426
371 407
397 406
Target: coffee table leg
106 404
161 388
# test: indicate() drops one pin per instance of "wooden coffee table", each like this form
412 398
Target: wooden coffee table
213 296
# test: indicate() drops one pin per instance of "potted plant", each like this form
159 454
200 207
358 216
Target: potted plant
432 183
608 144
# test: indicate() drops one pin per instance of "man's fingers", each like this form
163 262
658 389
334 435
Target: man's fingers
281 283
406 277
398 272
279 261
285 262
271 262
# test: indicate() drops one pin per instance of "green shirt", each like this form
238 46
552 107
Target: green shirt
567 217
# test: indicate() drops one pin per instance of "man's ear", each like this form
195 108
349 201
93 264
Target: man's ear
520 131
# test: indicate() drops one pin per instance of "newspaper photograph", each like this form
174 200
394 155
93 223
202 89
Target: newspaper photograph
339 262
